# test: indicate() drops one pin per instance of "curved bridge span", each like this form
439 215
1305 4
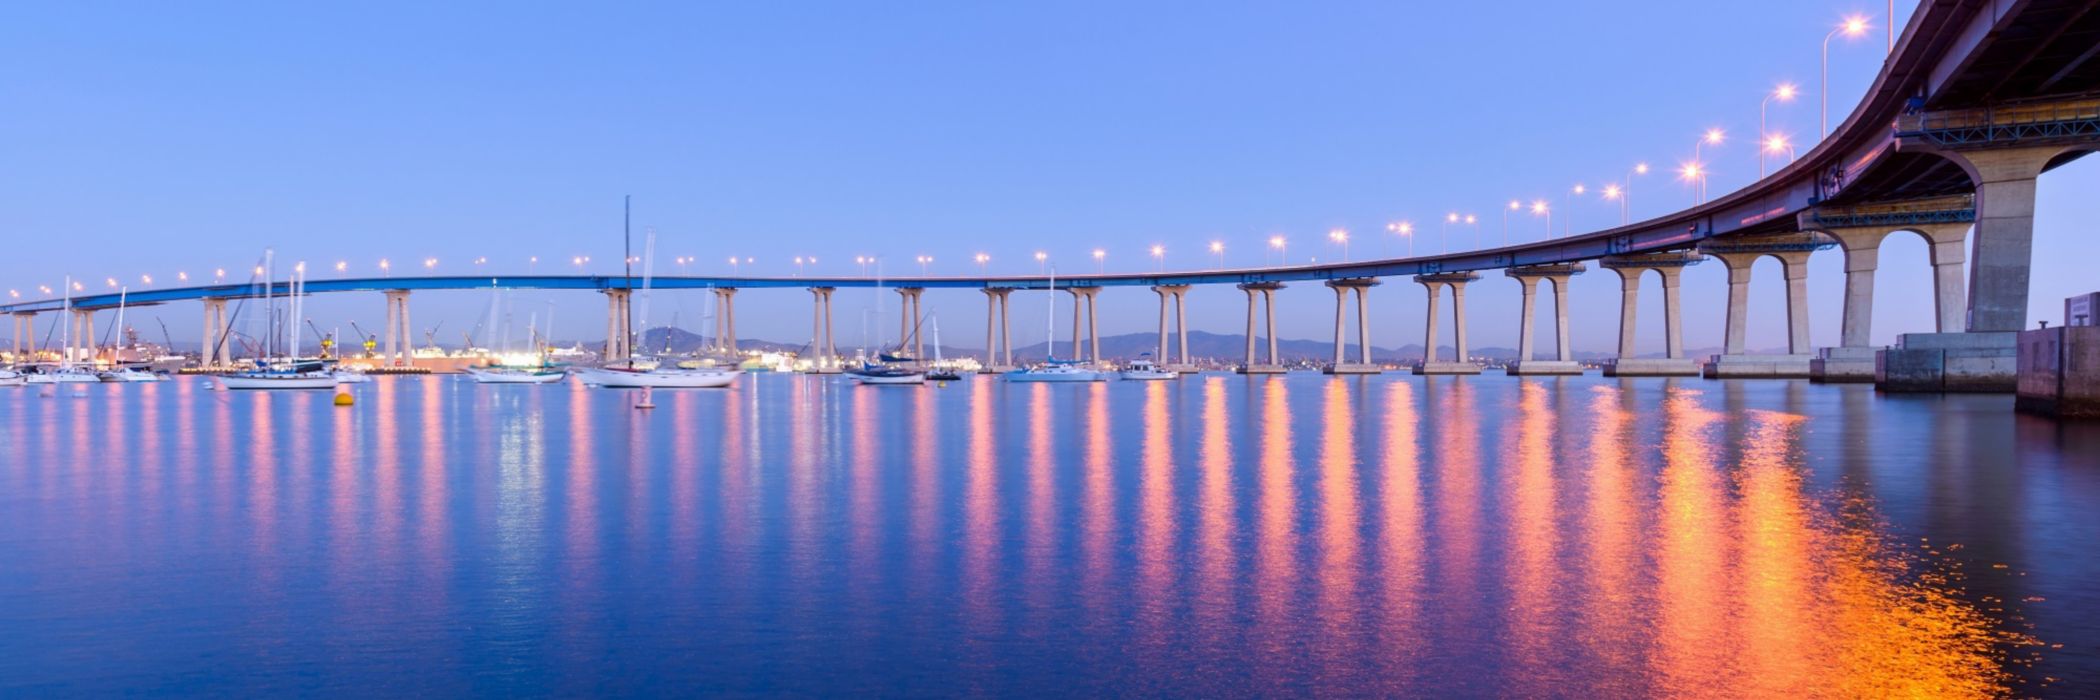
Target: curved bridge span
1977 99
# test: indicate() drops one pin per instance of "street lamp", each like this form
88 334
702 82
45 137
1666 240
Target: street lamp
1282 252
1777 143
430 263
1217 248
1567 223
1514 205
1159 255
1100 256
1612 192
1692 173
1539 208
1713 137
1474 221
1444 231
1783 93
863 261
1406 230
1853 27
1042 262
923 261
1340 236
386 269
981 260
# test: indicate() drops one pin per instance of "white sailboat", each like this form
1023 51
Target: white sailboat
655 375
287 372
122 374
65 372
1053 369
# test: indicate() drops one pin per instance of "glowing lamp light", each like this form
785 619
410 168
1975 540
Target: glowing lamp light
1785 92
1713 136
1451 217
1217 246
341 265
1099 253
1538 207
1640 168
1401 227
1579 189
982 258
1276 242
430 263
1515 205
1471 219
1690 171
1158 251
1611 191
1776 144
1855 25
182 277
1041 256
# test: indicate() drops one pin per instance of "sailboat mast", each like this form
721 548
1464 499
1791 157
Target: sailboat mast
627 260
1050 321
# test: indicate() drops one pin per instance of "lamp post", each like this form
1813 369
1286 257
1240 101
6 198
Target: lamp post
1042 262
981 260
1852 27
1340 236
1217 248
1444 230
1783 93
1612 192
1100 261
1406 230
1778 143
924 260
1159 256
1713 136
1514 205
1282 253
1567 223
1539 208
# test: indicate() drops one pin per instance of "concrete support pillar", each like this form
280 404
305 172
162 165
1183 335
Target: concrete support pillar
1462 353
909 319
1673 320
1740 254
20 333
1173 295
1564 352
1341 303
1093 325
1078 309
1949 293
619 337
1164 297
1263 293
1733 341
2003 248
996 353
1250 323
820 328
729 304
1629 308
1560 320
1006 331
1429 339
1181 323
399 346
1862 258
1796 272
1363 325
212 350
1268 312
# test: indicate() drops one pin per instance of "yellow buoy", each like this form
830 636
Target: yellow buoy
343 397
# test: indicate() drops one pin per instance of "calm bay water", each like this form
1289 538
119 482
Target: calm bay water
1216 536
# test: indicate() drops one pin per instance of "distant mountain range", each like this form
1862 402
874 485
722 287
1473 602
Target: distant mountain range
1203 346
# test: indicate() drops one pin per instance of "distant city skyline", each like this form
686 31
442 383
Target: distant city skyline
158 143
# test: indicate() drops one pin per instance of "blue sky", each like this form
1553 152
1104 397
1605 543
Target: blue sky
151 140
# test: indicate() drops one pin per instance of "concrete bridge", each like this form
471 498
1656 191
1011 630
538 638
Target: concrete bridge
1977 99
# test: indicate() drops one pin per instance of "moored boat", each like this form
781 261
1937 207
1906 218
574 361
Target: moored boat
658 378
1144 369
499 374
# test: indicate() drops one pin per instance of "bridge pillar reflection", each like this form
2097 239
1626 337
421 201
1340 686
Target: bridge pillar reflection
1265 294
1361 286
1738 253
1670 267
1174 295
1461 361
1564 356
998 331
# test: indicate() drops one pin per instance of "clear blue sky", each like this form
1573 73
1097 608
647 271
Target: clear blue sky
153 139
